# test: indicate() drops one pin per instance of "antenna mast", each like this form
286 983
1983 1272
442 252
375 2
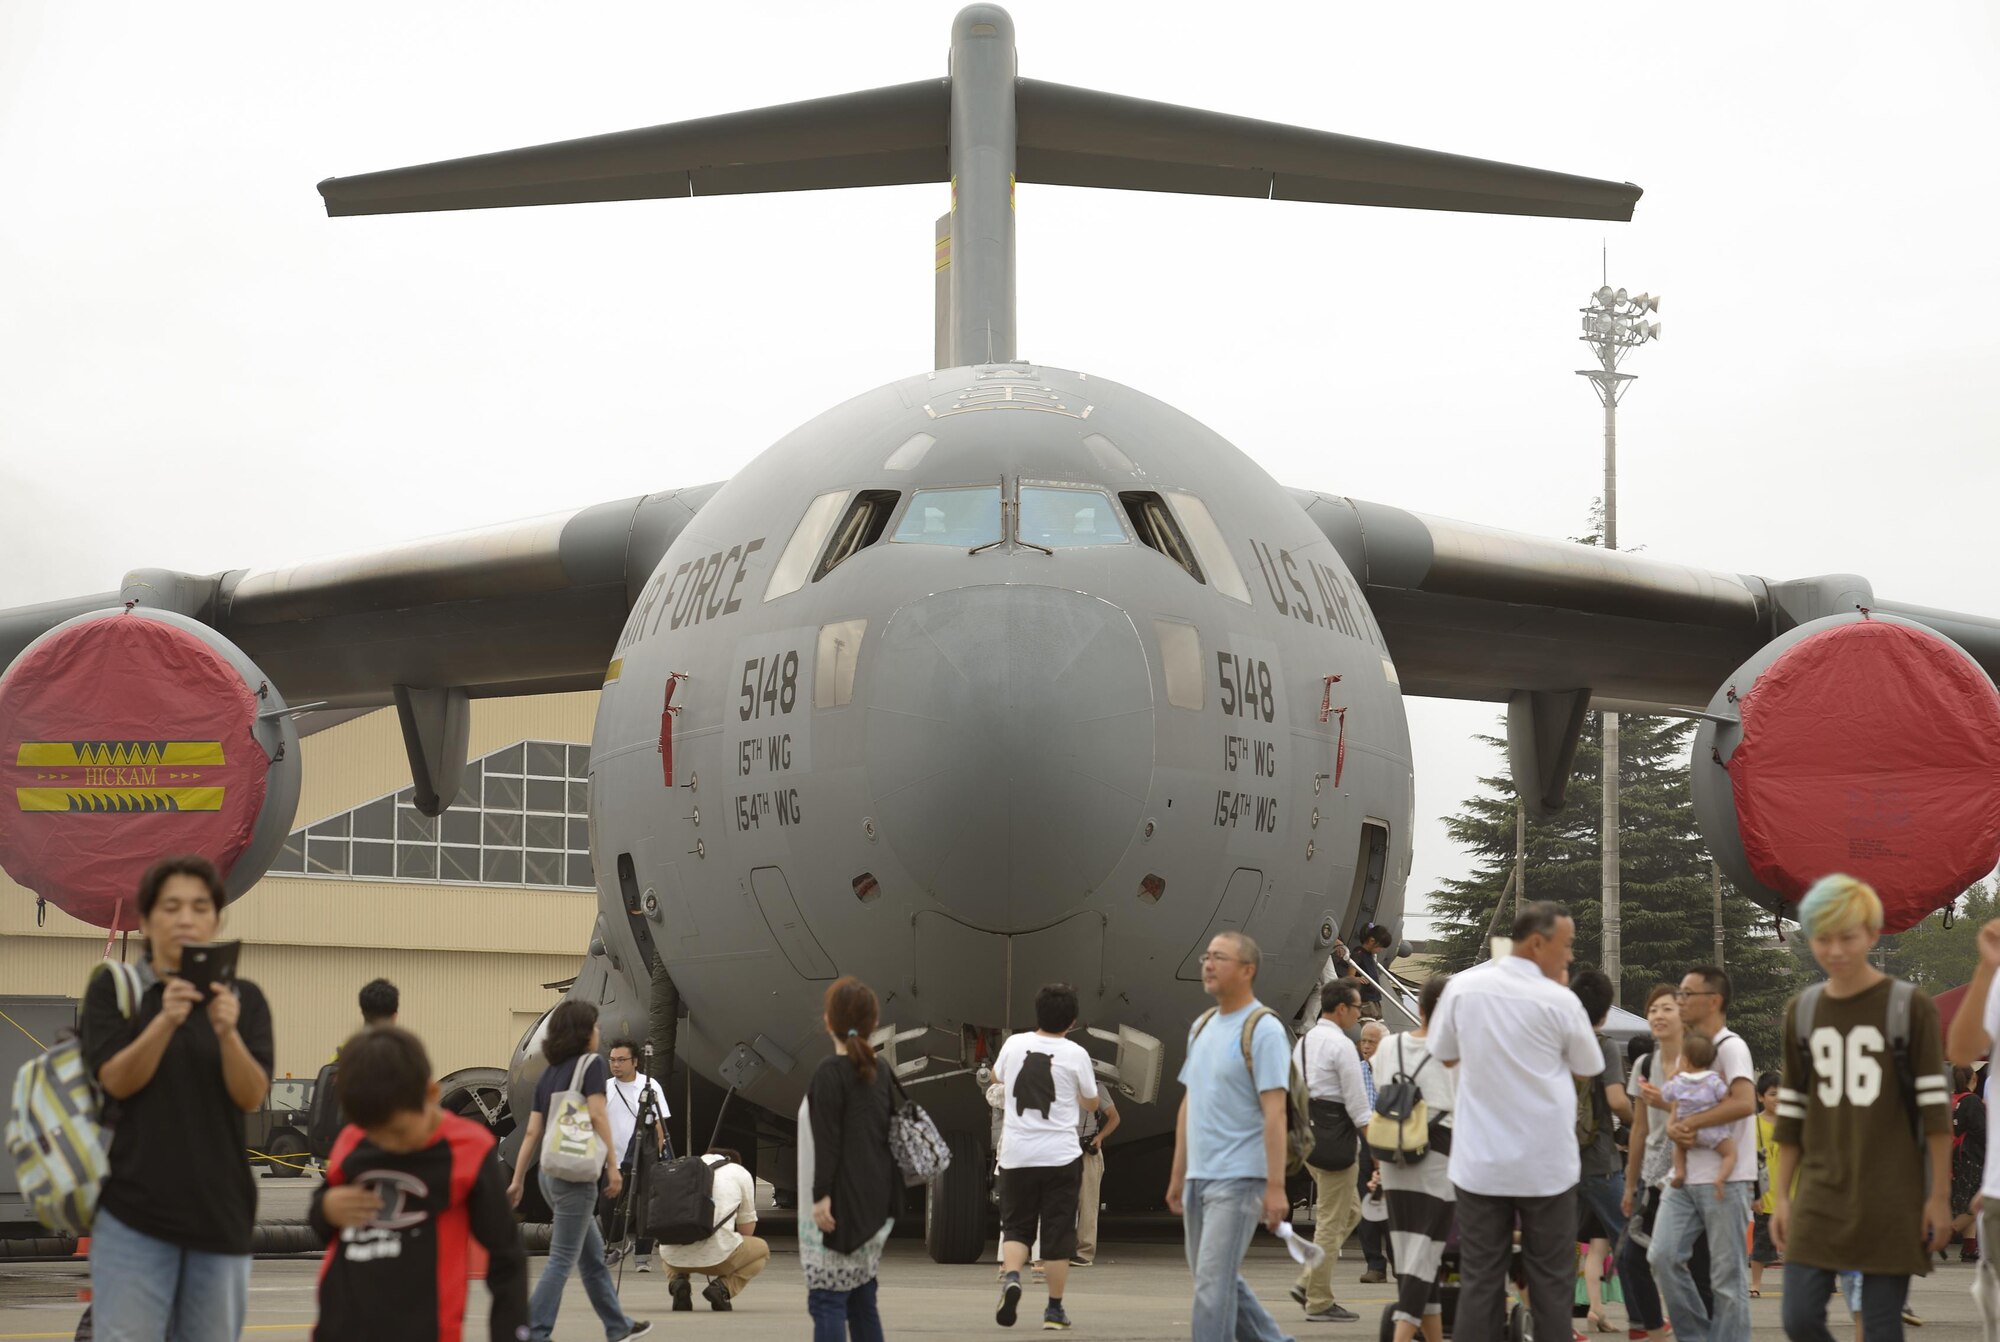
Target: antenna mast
1613 326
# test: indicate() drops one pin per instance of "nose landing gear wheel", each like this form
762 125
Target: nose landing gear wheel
955 1204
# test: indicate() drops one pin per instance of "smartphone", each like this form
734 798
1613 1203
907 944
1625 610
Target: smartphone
206 962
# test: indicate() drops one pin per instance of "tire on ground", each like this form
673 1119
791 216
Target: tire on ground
955 1203
288 1150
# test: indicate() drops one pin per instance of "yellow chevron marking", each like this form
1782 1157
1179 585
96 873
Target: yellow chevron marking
615 670
76 754
117 801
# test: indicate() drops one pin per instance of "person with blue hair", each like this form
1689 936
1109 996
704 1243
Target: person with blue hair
1864 1125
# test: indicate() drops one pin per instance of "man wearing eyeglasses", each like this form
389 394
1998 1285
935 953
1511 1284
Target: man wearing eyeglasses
1686 1213
1229 1141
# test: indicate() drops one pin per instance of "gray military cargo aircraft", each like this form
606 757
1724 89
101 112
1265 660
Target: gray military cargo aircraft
996 675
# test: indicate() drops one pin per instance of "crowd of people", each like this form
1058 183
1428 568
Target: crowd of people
1683 1174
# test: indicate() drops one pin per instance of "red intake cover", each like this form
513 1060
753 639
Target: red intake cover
1873 749
123 740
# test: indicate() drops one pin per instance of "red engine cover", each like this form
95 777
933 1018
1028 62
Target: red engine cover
123 740
1874 749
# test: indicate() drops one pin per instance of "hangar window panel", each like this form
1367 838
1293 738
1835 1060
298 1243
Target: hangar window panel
374 859
544 868
512 823
503 830
328 857
965 517
376 820
503 794
1060 518
547 831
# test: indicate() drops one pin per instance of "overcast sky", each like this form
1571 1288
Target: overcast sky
201 371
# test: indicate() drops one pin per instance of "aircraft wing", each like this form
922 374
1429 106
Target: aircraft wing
1476 612
527 607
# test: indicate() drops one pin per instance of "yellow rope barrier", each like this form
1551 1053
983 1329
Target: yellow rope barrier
23 1029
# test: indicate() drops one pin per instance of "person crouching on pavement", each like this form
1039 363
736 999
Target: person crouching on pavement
733 1254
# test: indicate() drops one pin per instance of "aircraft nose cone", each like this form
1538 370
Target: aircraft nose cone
1010 748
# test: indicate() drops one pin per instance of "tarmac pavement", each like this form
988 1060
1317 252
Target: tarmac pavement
1136 1291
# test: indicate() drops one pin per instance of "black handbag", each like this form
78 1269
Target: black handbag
1335 1142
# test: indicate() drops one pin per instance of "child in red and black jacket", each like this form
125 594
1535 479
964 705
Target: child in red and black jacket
408 1187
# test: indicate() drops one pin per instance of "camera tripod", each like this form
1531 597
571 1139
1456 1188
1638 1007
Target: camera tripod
628 1211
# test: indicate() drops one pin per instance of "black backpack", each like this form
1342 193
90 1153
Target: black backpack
680 1195
323 1121
680 1204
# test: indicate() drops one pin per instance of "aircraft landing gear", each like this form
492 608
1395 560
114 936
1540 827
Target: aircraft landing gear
955 1203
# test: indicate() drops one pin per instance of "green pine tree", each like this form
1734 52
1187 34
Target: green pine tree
1666 898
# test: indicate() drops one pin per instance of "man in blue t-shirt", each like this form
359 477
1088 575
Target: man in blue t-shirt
1229 1142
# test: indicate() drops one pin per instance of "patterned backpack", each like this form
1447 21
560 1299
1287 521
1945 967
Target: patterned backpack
57 1137
914 1140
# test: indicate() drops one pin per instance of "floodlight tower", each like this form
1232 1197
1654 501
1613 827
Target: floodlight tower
1613 326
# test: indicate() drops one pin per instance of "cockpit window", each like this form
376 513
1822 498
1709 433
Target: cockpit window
1056 517
1158 529
863 525
796 564
1210 549
965 516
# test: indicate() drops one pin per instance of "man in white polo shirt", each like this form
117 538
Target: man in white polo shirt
1519 1039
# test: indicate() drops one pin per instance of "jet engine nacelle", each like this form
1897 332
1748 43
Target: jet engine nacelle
128 735
1858 743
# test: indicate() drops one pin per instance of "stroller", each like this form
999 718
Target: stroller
1520 1325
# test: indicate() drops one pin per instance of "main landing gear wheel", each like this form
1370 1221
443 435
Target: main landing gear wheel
955 1204
480 1094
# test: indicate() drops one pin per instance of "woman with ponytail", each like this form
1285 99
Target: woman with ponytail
844 1159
